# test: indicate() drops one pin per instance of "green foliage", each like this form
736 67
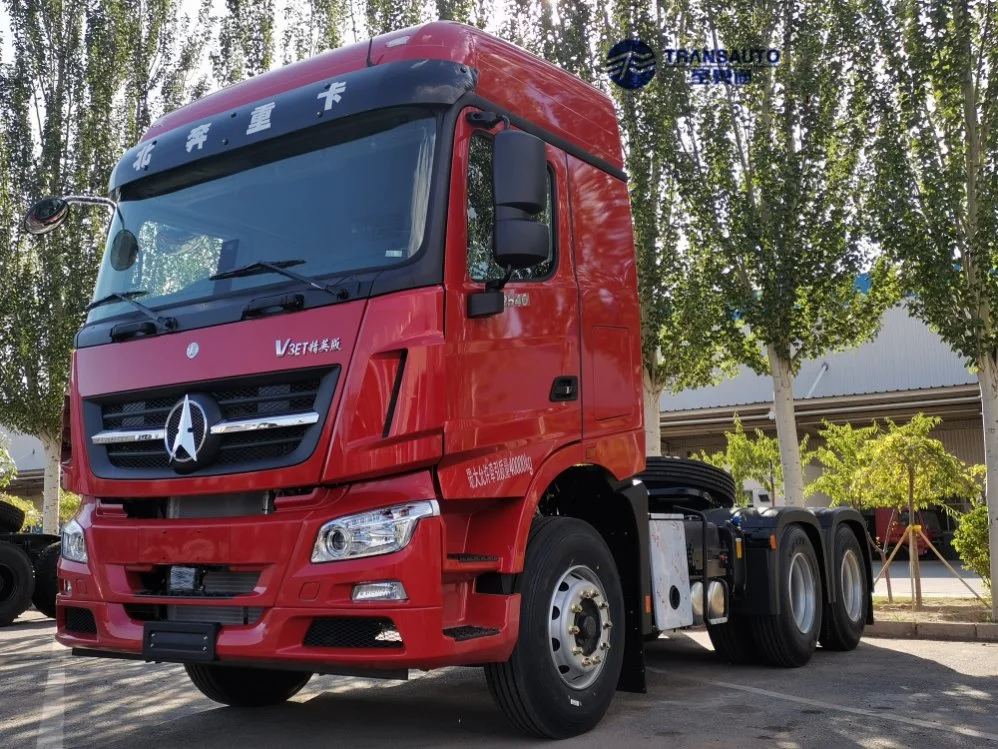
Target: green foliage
936 178
906 468
245 40
686 341
749 458
841 457
771 181
971 541
69 505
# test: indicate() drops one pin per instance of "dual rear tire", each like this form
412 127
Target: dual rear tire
789 639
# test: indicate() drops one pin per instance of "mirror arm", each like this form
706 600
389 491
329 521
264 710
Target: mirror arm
497 284
90 200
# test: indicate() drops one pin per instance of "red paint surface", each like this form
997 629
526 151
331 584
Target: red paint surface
473 425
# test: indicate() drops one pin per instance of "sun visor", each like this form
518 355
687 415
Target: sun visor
400 83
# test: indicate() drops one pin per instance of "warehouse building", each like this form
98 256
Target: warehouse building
905 370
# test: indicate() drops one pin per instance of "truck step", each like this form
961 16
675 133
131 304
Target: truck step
470 632
472 558
470 563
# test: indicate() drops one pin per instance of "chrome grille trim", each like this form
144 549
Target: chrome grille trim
119 436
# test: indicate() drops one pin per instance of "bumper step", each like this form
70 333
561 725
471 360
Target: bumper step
470 564
470 632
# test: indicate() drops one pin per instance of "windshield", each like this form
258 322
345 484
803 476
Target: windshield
353 197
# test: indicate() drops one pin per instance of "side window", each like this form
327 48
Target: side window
481 218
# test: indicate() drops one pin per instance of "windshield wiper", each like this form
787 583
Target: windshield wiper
281 267
164 323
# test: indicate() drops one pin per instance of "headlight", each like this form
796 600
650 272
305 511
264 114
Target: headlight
74 546
368 534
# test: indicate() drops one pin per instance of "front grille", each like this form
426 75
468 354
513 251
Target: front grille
260 396
352 632
230 615
225 615
198 582
80 621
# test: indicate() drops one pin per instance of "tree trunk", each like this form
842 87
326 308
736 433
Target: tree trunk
653 428
50 503
916 573
786 430
987 375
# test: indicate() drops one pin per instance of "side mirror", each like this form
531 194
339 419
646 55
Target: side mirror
519 184
45 215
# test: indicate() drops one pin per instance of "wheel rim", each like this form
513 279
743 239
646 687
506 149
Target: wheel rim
802 598
580 627
852 586
8 583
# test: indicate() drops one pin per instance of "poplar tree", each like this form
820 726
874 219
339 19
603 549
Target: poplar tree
770 175
57 137
937 178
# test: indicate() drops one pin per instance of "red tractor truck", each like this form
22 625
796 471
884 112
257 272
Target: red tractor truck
359 392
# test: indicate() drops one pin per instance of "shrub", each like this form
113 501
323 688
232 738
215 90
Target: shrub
69 505
971 542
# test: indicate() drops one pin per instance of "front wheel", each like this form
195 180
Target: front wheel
246 687
563 673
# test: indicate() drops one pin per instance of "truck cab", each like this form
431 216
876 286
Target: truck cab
360 392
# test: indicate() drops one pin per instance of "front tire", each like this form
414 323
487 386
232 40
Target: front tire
246 687
788 639
845 618
563 672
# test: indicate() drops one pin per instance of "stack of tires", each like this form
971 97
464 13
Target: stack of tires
25 578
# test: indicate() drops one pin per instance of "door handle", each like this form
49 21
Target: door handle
565 389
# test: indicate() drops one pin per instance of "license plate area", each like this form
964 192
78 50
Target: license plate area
180 641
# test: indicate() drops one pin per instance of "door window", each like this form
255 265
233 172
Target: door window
481 218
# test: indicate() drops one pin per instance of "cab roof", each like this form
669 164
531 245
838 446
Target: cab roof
509 76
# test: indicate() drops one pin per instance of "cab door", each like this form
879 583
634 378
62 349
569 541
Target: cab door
513 391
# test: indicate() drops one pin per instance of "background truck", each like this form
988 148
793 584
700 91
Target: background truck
28 564
360 392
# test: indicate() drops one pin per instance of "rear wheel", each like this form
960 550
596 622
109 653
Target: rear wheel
246 687
845 618
47 579
17 582
732 640
563 673
788 639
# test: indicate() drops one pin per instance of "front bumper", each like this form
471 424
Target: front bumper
299 614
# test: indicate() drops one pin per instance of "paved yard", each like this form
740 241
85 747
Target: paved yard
888 694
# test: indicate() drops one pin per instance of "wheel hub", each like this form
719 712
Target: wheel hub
852 586
580 627
802 593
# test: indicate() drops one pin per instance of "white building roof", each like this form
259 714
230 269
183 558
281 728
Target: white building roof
905 355
26 451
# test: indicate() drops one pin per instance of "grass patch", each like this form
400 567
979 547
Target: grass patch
933 610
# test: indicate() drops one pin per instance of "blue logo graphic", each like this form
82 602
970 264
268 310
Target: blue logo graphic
631 63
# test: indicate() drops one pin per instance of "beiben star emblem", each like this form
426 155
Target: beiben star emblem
186 430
